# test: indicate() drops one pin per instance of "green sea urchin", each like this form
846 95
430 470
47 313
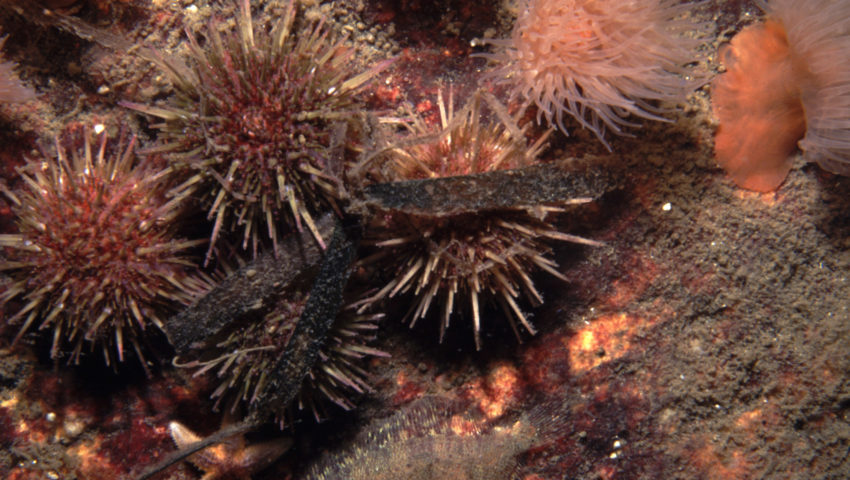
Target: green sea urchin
466 257
464 143
254 117
243 359
95 258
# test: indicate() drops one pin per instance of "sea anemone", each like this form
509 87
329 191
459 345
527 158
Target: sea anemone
599 61
760 120
254 117
96 259
787 79
11 89
464 259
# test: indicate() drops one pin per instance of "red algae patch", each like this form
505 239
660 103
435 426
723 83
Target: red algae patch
642 273
759 108
603 340
717 466
497 392
407 390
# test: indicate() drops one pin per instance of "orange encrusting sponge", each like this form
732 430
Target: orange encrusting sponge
758 104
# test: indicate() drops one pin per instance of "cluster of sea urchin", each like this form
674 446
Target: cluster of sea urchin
243 359
599 61
253 118
95 258
472 256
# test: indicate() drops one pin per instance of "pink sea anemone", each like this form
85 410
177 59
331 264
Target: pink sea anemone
599 61
787 80
11 89
819 36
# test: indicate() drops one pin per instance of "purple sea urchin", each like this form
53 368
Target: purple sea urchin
253 117
599 61
466 258
95 259
242 360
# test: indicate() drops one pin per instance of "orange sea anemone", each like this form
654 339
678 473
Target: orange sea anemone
599 61
787 80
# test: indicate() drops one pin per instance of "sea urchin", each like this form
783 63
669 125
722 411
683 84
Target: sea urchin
243 358
466 257
95 259
254 117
